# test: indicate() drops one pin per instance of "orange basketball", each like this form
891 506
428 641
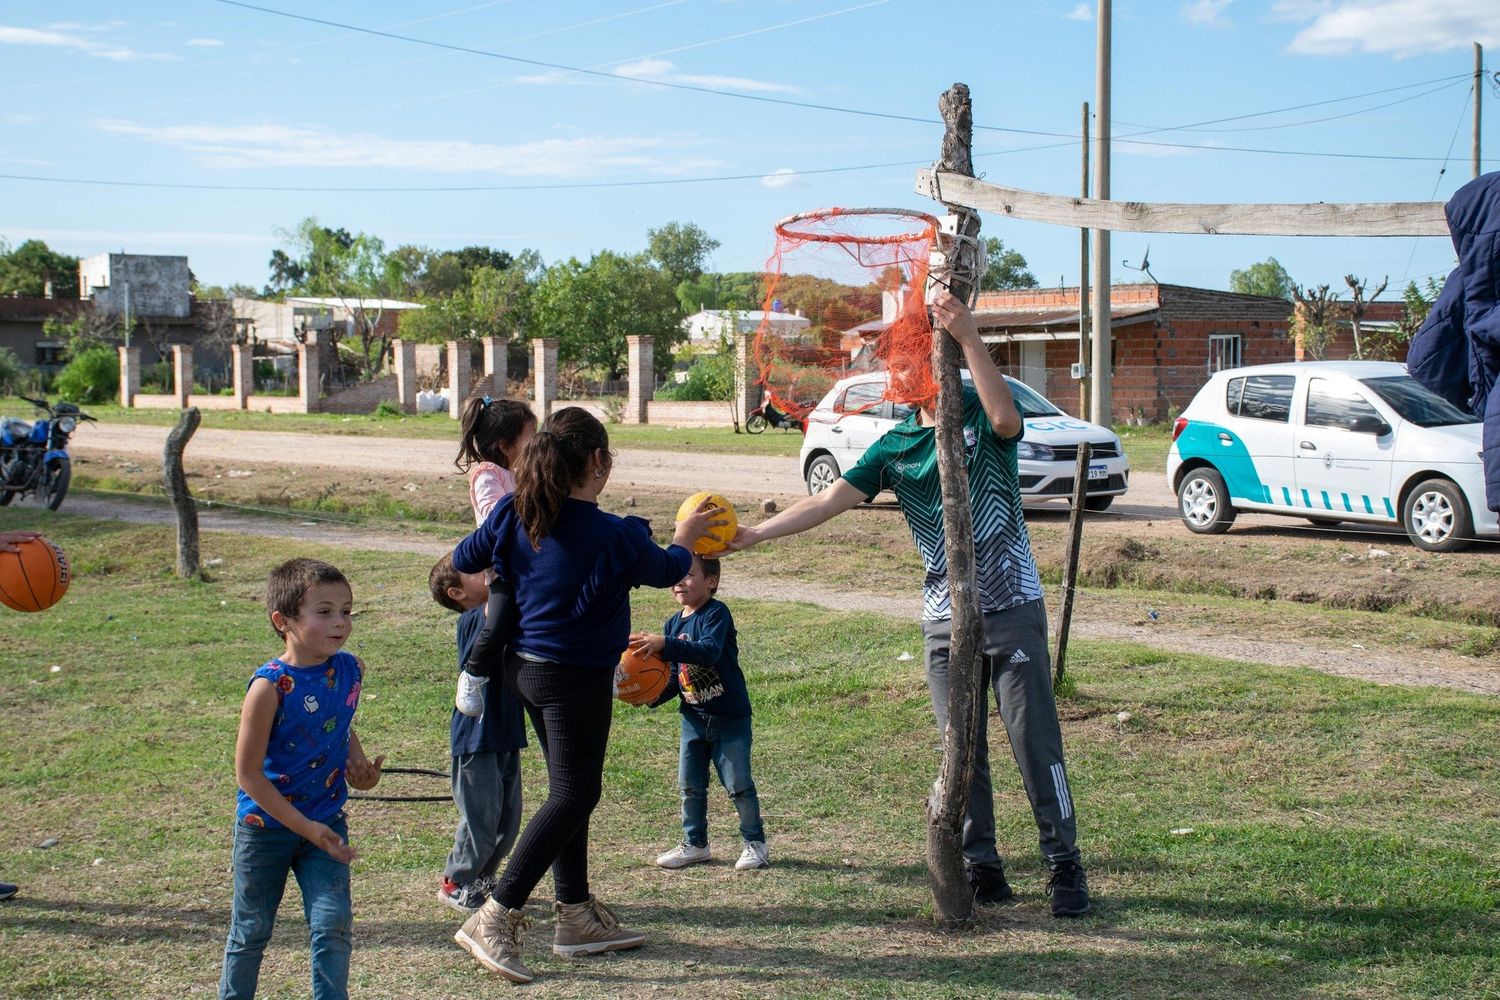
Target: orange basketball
34 578
641 677
718 538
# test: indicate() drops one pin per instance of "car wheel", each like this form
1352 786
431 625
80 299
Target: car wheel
1436 517
822 473
1203 502
1097 503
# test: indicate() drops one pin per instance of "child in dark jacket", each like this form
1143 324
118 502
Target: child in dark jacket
699 641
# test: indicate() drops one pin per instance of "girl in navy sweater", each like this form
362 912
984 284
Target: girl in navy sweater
571 566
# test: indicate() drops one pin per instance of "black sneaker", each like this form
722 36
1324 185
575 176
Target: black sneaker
1069 888
7 890
989 885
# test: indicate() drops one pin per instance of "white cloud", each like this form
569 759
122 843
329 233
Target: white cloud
660 70
1083 12
783 178
1399 28
59 39
274 145
205 43
1204 11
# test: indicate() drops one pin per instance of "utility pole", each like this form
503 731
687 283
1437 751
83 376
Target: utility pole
1083 285
1478 93
1101 409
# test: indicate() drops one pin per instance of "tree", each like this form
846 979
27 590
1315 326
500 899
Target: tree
492 303
1004 269
1358 306
1268 278
736 290
681 250
28 268
1315 318
591 308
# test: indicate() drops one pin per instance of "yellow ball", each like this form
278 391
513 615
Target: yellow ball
717 538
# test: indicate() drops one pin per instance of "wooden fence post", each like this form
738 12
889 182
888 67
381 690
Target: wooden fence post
177 491
953 898
1070 567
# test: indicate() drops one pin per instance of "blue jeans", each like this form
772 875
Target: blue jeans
726 742
262 858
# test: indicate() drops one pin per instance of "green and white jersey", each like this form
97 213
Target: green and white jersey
904 460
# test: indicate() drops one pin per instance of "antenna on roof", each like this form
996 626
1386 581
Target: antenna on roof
1145 265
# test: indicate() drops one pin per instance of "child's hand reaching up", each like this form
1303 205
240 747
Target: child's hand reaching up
651 642
336 847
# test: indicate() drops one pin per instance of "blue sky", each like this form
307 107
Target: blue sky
205 93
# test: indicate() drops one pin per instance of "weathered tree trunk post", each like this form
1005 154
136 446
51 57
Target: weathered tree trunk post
1070 566
952 897
177 491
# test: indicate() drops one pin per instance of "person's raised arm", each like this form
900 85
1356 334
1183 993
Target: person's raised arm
808 514
994 395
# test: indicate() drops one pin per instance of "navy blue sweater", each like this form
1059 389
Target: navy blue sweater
500 728
706 658
573 594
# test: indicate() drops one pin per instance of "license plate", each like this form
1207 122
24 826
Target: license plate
1098 472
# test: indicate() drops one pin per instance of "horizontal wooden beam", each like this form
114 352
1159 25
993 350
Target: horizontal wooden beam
1393 218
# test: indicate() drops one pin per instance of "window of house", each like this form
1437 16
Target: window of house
1267 397
51 352
1225 350
1333 405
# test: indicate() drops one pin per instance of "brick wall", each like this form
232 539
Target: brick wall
361 398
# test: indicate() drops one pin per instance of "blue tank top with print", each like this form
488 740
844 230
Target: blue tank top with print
308 748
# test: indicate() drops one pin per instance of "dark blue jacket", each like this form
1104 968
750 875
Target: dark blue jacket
500 727
705 658
573 593
1456 352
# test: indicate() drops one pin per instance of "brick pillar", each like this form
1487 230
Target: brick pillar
494 364
242 363
642 372
460 376
130 375
182 373
747 387
309 368
404 360
544 375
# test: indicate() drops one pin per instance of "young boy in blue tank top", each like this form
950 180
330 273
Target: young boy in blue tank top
296 755
699 641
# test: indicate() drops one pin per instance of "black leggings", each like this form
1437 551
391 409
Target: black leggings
572 707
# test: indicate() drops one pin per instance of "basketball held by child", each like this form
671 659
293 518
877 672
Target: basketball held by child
641 677
717 540
34 577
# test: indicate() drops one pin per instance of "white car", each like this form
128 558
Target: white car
854 414
1331 441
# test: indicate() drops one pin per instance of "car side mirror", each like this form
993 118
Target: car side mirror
1369 424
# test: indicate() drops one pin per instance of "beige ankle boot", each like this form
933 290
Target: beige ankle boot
589 928
493 936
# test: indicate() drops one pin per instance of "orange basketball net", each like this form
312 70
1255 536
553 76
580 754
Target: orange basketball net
845 291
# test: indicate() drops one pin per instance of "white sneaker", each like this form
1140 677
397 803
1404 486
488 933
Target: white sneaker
469 698
683 855
754 855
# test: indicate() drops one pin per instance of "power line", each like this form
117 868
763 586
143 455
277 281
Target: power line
1316 121
1471 94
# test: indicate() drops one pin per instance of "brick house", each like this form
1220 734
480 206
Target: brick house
1168 339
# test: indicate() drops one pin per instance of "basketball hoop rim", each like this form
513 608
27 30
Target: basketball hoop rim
929 222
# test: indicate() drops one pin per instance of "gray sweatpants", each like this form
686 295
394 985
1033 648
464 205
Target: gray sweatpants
1017 663
487 791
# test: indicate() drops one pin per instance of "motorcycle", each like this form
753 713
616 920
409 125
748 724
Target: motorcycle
34 456
769 416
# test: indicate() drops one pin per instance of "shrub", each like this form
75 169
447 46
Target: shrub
710 378
388 408
91 377
11 379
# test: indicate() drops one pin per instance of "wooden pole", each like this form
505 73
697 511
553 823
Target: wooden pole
1101 383
953 899
1070 567
1478 93
1083 281
177 492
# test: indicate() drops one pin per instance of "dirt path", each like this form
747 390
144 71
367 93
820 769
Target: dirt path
1101 615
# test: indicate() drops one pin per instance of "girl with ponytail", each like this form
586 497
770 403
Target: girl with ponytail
570 567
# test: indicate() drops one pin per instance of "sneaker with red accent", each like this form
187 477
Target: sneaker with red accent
463 898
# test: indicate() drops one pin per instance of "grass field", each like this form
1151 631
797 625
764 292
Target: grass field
1249 831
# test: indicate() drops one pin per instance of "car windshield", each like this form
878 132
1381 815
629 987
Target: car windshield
1030 402
1417 404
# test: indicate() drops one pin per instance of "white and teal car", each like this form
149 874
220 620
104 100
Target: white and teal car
855 414
1331 441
